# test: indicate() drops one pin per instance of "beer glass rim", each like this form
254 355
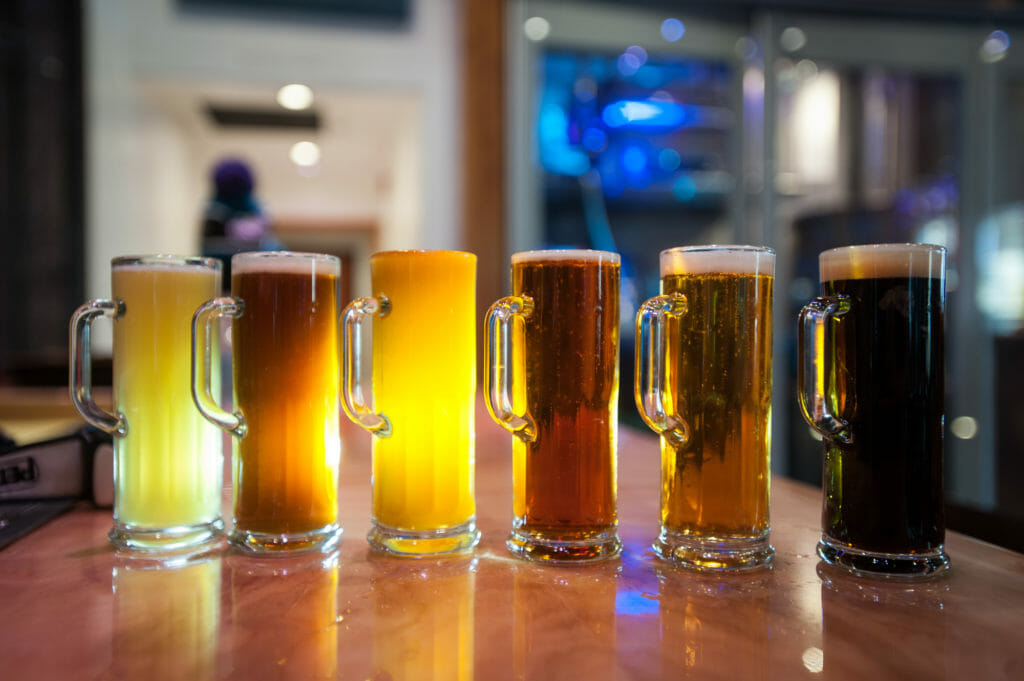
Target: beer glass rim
907 247
422 252
717 258
246 261
872 261
562 254
166 260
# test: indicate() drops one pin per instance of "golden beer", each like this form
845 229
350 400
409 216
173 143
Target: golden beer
424 381
717 368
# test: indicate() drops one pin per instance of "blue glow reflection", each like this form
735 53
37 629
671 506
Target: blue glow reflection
635 603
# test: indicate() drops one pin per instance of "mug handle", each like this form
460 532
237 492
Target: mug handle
498 367
202 353
351 364
814 368
80 379
651 376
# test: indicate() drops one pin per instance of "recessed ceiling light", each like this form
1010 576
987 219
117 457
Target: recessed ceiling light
305 154
295 96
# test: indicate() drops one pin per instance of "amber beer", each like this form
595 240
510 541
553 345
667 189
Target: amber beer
715 372
872 382
286 386
564 371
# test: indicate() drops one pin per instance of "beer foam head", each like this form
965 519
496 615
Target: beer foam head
878 261
716 259
567 255
165 262
285 261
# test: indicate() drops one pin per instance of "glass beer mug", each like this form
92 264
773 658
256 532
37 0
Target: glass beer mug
287 442
552 380
871 381
424 391
704 384
168 461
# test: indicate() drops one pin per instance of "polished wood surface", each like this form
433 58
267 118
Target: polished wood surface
71 608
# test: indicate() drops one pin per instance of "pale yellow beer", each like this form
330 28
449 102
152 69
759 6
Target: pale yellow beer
167 458
167 468
716 394
424 385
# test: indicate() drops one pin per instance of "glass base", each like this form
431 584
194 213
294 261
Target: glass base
323 540
714 554
424 543
542 548
165 539
904 566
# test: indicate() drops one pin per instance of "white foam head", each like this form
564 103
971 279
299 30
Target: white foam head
715 259
166 262
285 262
878 261
567 255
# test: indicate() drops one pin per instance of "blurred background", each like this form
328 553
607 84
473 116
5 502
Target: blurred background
504 125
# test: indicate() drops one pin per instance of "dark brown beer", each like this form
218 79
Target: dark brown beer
568 353
286 378
883 490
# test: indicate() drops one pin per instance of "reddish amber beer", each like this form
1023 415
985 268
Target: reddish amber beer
553 381
286 383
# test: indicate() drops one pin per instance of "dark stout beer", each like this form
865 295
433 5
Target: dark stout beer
286 378
883 490
719 361
567 354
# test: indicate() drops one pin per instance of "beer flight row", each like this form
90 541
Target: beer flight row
870 381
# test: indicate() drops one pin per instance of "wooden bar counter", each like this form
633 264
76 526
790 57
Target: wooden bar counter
72 608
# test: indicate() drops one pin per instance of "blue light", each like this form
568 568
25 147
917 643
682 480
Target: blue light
555 153
997 42
638 52
635 603
672 30
628 64
669 159
634 159
684 188
594 139
643 113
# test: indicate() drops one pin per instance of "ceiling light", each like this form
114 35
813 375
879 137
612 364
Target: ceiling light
304 154
295 96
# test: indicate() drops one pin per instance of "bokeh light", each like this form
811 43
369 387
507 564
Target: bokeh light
672 30
295 96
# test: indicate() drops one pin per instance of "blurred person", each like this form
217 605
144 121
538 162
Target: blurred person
233 220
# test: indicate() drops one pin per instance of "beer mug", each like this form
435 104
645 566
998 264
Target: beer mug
871 382
424 387
168 461
552 380
286 380
704 384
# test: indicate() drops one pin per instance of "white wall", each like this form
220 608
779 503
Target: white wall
144 184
